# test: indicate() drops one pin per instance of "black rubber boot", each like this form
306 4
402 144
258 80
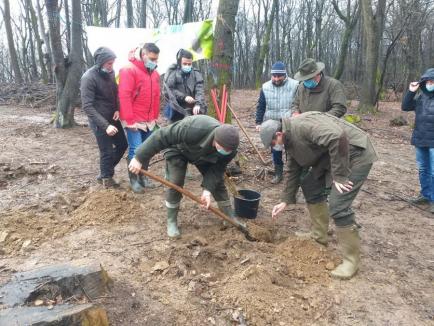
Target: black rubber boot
135 185
278 174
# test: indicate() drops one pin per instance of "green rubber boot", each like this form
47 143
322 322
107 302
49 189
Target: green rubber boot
319 215
349 243
135 185
278 174
226 207
172 220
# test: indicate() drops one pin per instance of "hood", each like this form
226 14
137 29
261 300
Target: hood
102 55
427 75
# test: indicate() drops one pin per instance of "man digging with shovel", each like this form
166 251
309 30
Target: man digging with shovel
329 146
201 141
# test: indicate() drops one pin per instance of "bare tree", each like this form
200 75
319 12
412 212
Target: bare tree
66 69
12 52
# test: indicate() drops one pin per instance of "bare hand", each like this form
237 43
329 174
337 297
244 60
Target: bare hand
196 110
116 116
258 128
190 100
135 166
111 130
206 199
343 187
278 209
414 86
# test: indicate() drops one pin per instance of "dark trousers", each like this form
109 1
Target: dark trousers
277 157
111 148
176 167
314 186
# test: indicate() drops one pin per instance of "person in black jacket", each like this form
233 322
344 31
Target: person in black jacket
99 98
420 98
183 89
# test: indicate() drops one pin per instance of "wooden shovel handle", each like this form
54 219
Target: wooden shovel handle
194 198
245 133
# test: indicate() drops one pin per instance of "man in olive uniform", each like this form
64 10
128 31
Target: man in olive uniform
329 146
199 140
318 92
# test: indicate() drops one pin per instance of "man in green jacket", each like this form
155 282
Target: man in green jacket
318 92
199 140
330 147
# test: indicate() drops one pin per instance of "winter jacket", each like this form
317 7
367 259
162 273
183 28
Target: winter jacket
275 101
328 96
179 85
139 93
422 102
99 92
191 138
313 136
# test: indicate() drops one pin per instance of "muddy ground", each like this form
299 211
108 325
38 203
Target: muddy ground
53 210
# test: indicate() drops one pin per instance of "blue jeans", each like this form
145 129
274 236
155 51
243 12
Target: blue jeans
135 139
425 163
277 157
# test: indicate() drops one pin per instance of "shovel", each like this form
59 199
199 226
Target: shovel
241 227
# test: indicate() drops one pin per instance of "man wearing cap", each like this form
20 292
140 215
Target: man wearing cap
202 141
318 92
330 147
275 100
99 100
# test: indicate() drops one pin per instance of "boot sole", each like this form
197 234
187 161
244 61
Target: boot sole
344 278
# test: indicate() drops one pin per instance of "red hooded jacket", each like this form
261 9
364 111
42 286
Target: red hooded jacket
139 93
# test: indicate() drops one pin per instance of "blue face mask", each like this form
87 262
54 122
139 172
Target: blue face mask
150 65
430 87
310 83
223 152
186 69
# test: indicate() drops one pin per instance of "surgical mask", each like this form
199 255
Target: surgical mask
310 83
150 65
186 69
278 147
430 87
223 152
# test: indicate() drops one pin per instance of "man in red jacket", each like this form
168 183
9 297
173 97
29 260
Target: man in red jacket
139 97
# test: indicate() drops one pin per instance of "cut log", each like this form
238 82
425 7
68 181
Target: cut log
61 315
48 283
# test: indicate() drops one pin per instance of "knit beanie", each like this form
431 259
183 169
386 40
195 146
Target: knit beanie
278 68
227 136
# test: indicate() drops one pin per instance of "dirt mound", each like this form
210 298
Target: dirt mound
22 230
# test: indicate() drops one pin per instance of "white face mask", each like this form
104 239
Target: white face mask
278 147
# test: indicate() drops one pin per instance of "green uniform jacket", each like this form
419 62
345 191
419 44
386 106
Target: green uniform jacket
313 138
191 138
328 96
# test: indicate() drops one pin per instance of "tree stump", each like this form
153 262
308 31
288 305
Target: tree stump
46 296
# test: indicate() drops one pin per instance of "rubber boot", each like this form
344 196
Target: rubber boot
278 174
145 182
226 208
134 181
109 183
349 243
319 216
172 220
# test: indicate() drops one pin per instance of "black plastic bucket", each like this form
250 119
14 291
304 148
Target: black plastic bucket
247 204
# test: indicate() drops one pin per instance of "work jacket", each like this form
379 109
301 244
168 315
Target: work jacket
328 96
315 139
139 93
191 138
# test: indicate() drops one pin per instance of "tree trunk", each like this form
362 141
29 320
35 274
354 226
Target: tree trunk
350 21
12 52
265 49
118 13
34 20
373 25
68 26
67 73
47 54
223 51
143 13
130 15
188 11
